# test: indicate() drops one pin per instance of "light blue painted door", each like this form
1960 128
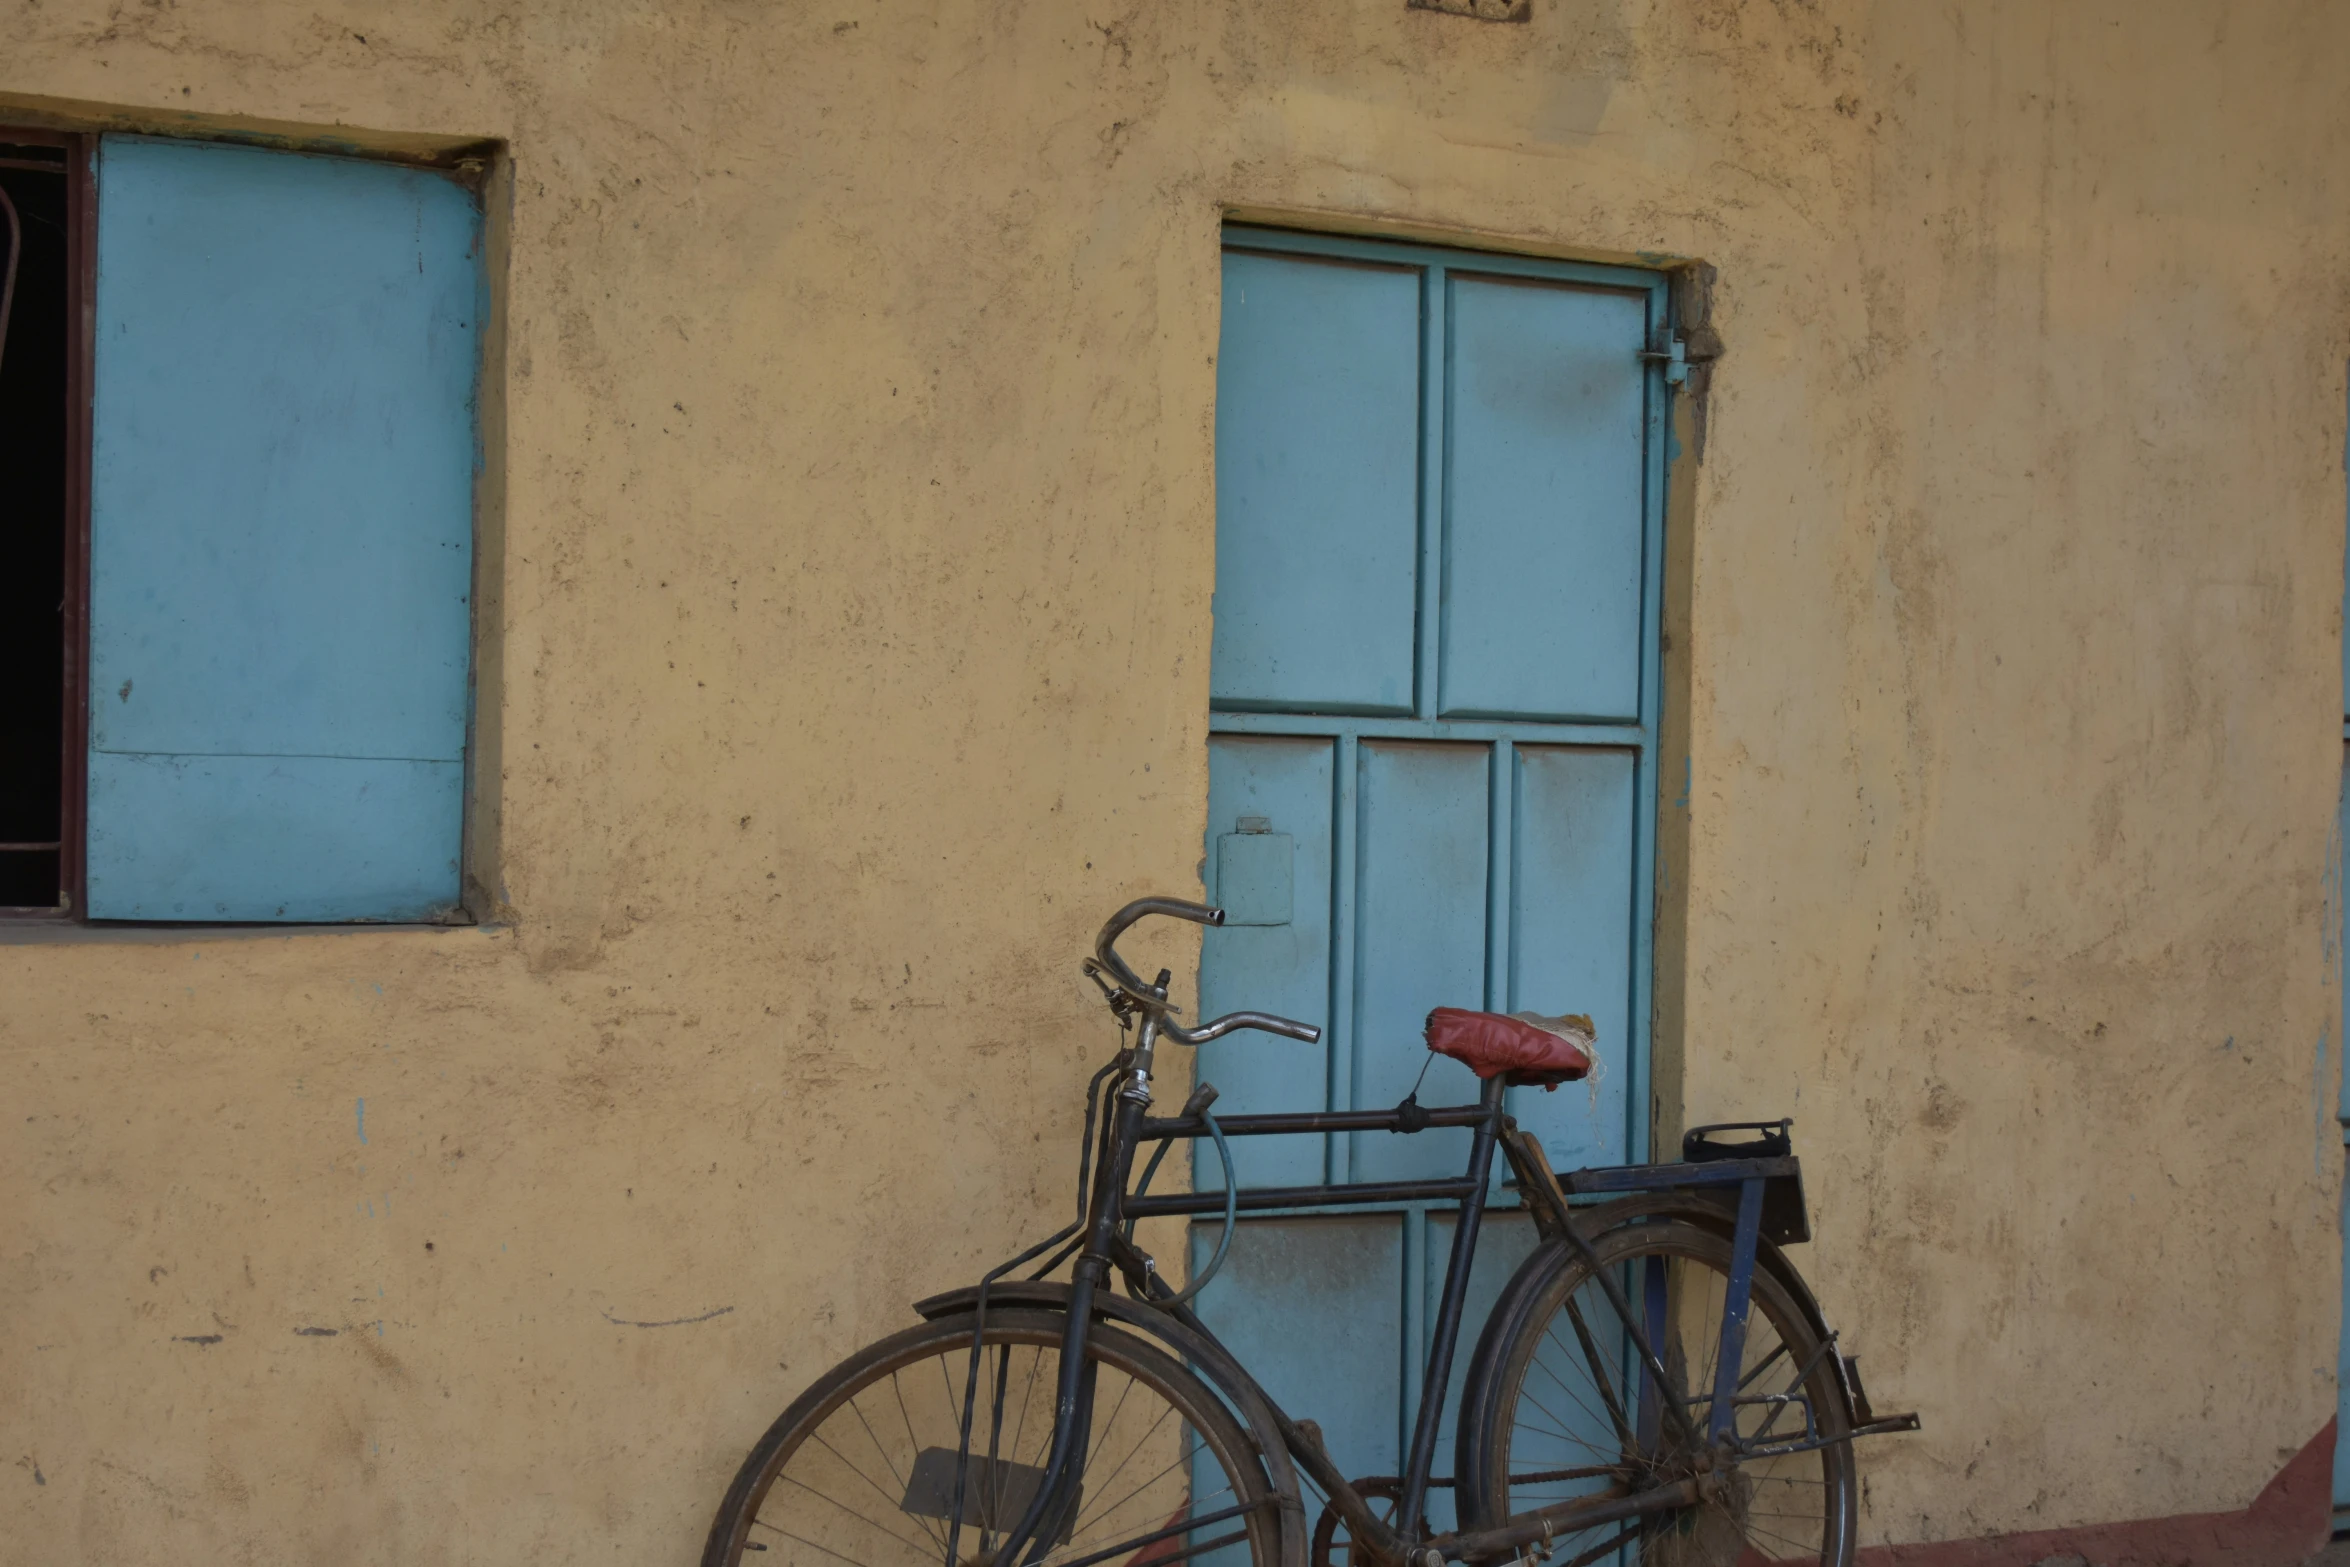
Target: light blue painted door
281 534
1434 688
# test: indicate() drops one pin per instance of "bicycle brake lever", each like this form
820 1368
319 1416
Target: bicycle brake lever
1120 1002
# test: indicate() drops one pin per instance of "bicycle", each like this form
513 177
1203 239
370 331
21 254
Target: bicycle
1654 1384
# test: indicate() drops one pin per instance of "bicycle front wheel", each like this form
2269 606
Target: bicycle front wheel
865 1468
1565 1410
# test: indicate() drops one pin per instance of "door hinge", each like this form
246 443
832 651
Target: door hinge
1674 356
1680 355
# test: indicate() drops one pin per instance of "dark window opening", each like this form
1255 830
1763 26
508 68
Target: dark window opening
34 434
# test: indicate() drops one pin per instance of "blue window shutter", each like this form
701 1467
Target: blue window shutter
281 535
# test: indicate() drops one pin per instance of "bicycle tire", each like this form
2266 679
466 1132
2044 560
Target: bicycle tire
918 1539
1586 1427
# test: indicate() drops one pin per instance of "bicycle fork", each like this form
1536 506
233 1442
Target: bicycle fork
1056 1497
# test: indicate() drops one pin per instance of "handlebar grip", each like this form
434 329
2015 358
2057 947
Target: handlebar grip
1143 908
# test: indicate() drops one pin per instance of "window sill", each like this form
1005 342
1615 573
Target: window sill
39 929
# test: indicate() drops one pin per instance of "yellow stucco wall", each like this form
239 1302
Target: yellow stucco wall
845 663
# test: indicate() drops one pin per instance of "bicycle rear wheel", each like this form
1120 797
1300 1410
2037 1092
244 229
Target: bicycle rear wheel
861 1470
1564 1410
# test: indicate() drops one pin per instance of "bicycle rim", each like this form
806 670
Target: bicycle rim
865 1469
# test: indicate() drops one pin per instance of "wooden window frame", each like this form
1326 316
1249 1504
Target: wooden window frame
81 277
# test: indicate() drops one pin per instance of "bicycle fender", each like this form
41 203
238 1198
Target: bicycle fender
1202 1354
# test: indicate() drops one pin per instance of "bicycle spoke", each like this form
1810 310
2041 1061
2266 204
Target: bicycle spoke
1129 1458
993 1511
954 1409
1797 1545
1762 1432
1080 1542
1565 1431
1180 1460
873 1484
1765 1365
1027 1392
1525 1395
1593 1359
1103 1435
1701 1386
1140 1543
1556 1436
1623 1537
899 1393
1541 1363
810 1544
1562 1384
873 1524
914 1444
921 1523
1561 1432
1000 1476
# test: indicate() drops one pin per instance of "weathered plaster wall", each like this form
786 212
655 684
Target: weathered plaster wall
855 570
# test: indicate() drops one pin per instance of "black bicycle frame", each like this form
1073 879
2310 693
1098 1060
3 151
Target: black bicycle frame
1102 1246
1483 1119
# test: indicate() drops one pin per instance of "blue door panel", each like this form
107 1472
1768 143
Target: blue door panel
1317 510
318 837
1274 968
281 527
1312 1308
1571 924
1423 845
1544 537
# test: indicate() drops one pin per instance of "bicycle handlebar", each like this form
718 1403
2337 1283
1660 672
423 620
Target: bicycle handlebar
1105 949
1217 1028
1105 952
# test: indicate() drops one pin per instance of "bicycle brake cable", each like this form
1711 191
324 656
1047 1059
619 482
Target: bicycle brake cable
1231 1213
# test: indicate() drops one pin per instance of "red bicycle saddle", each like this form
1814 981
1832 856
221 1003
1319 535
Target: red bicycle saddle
1491 1044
